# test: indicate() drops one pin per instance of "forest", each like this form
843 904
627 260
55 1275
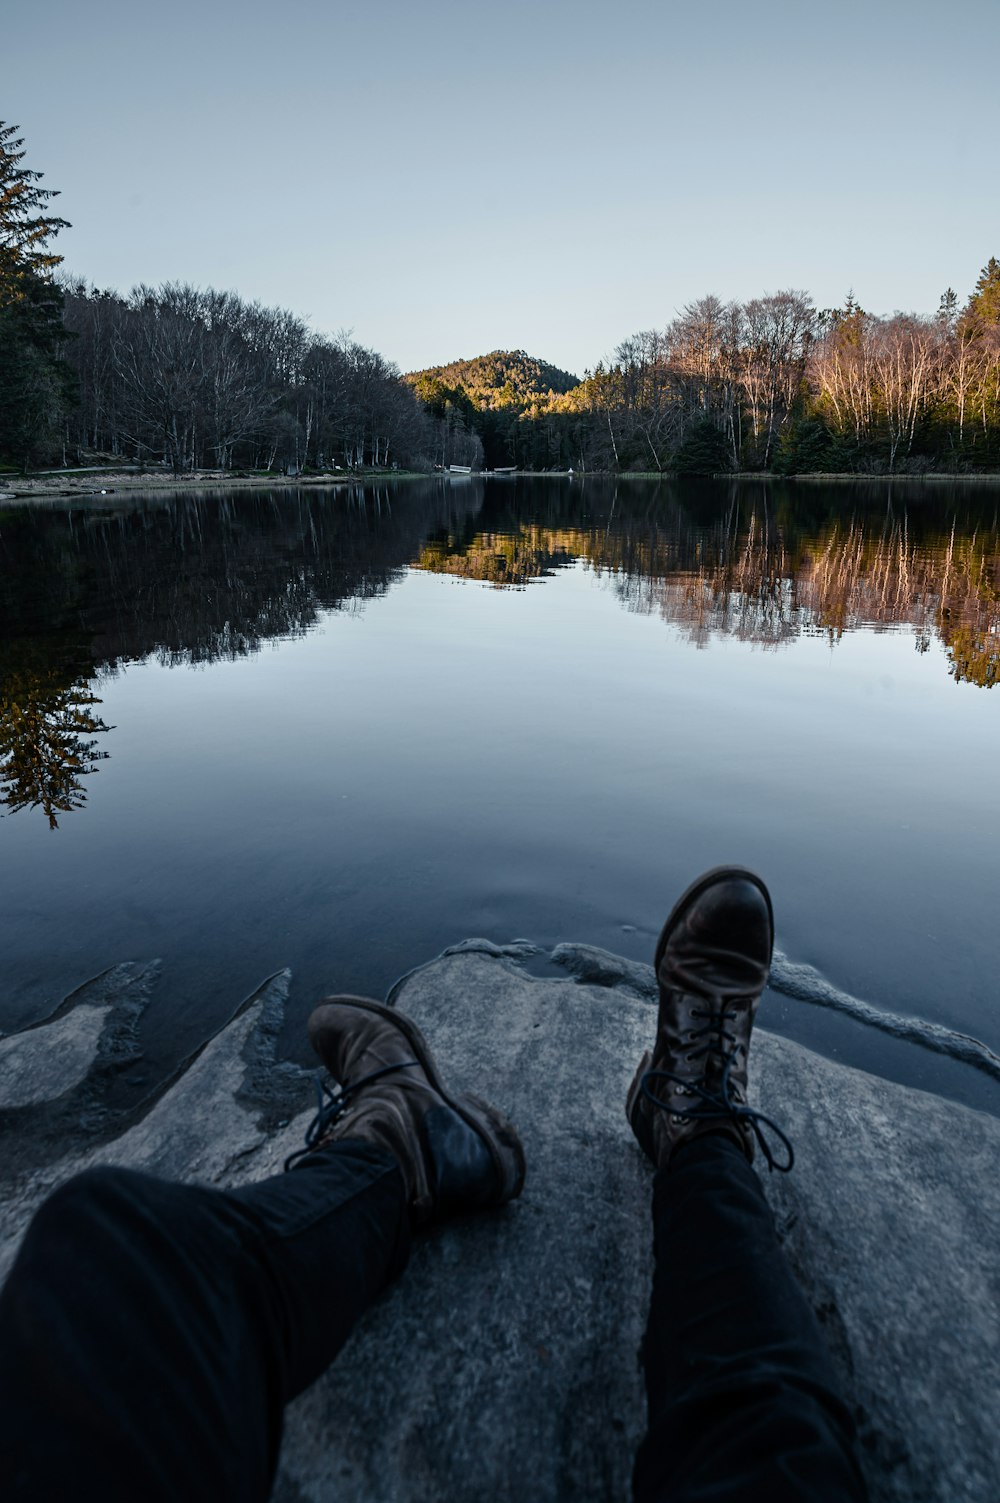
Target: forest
770 385
189 378
182 377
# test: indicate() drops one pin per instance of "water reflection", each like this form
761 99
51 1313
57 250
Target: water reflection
762 572
48 733
198 578
189 579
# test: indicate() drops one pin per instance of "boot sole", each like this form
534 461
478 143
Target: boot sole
497 1131
638 1121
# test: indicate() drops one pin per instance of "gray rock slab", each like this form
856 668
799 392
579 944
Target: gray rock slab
504 1364
215 1123
42 1063
891 1220
55 1076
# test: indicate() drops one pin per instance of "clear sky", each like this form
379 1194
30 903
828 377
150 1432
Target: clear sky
445 178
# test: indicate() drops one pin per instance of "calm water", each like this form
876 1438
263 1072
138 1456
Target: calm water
345 729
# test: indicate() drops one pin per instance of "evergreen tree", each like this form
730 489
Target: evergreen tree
24 229
806 446
984 304
948 309
705 450
35 383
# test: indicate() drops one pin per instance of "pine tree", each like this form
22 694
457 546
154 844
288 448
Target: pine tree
704 450
984 304
24 229
947 312
35 382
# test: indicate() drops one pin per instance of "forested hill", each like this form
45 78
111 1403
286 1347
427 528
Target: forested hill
504 378
182 377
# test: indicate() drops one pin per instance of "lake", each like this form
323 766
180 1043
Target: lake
337 729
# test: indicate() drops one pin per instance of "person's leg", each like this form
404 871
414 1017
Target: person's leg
151 1332
742 1399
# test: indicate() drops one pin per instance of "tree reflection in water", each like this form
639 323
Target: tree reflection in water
199 578
48 734
757 573
196 578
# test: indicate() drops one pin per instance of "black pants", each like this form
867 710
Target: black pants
151 1334
743 1403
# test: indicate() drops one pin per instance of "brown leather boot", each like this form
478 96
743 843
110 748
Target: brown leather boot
456 1152
712 963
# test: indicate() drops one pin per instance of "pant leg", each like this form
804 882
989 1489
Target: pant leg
151 1332
743 1402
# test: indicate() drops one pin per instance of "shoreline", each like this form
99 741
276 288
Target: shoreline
69 484
84 485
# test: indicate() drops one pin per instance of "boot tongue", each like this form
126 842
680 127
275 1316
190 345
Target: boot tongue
369 1048
715 972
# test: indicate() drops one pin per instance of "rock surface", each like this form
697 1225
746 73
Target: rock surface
503 1365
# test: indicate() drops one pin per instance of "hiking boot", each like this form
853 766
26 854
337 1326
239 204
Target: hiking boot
712 962
455 1151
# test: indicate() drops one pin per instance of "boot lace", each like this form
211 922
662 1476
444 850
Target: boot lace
711 1041
332 1101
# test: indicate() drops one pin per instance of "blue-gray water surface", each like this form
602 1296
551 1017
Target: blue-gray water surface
337 729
